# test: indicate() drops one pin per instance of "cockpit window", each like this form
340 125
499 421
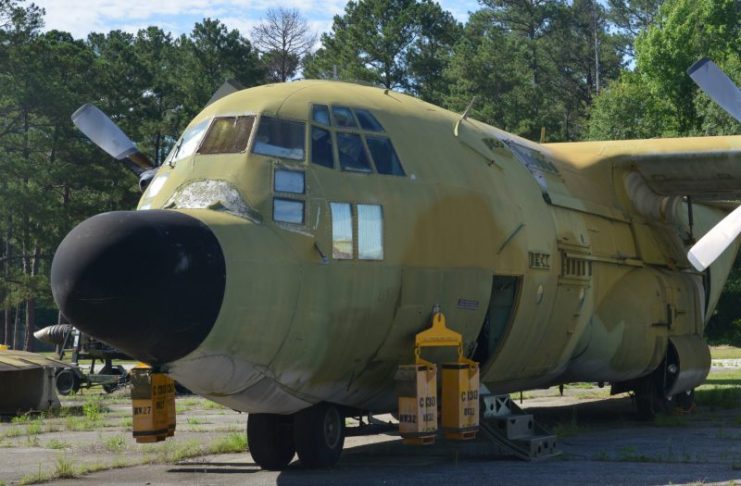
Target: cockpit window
188 143
368 121
227 135
343 117
384 156
320 114
352 153
280 138
321 147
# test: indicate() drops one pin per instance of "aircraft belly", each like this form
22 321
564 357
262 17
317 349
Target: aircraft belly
235 383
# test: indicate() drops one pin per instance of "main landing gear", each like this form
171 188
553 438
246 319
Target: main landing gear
652 393
317 434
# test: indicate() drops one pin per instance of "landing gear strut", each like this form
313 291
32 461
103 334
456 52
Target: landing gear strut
316 433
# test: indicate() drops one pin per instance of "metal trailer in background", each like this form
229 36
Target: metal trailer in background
69 339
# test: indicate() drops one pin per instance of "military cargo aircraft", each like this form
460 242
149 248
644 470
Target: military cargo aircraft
293 243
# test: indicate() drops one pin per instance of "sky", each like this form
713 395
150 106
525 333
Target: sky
178 16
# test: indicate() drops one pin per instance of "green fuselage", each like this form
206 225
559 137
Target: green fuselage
541 262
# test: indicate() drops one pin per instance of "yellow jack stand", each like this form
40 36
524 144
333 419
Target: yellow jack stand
153 404
417 390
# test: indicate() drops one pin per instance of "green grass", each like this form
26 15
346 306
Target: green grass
21 419
169 452
35 478
232 443
725 352
186 404
724 398
57 444
628 454
209 405
115 443
667 420
14 432
92 409
64 469
579 385
195 421
34 428
567 429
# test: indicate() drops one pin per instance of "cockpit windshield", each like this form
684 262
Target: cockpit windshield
227 135
188 143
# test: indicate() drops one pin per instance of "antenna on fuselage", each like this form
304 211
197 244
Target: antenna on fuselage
468 108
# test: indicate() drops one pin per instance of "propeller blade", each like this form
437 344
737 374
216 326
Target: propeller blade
104 133
715 241
719 87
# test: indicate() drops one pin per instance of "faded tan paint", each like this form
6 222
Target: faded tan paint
466 211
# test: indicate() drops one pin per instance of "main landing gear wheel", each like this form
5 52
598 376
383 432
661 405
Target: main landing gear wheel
319 435
684 402
270 440
68 381
116 370
650 401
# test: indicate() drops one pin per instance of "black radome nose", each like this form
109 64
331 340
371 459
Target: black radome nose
149 283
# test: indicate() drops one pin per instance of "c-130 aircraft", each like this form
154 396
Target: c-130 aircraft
286 253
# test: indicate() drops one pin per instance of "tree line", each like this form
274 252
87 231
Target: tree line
554 70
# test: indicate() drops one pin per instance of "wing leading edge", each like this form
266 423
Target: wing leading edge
705 168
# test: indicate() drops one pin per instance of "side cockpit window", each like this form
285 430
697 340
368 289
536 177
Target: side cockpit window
321 147
320 114
227 135
280 138
358 135
343 117
384 155
352 153
368 121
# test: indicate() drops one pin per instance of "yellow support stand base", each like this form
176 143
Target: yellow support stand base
417 390
153 405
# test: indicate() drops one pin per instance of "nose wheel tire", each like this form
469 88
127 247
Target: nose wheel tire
319 435
270 440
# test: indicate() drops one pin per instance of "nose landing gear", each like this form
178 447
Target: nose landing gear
317 434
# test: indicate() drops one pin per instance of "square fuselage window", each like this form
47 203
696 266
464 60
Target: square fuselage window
288 211
293 181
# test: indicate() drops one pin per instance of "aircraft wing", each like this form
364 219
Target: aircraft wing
21 360
706 168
